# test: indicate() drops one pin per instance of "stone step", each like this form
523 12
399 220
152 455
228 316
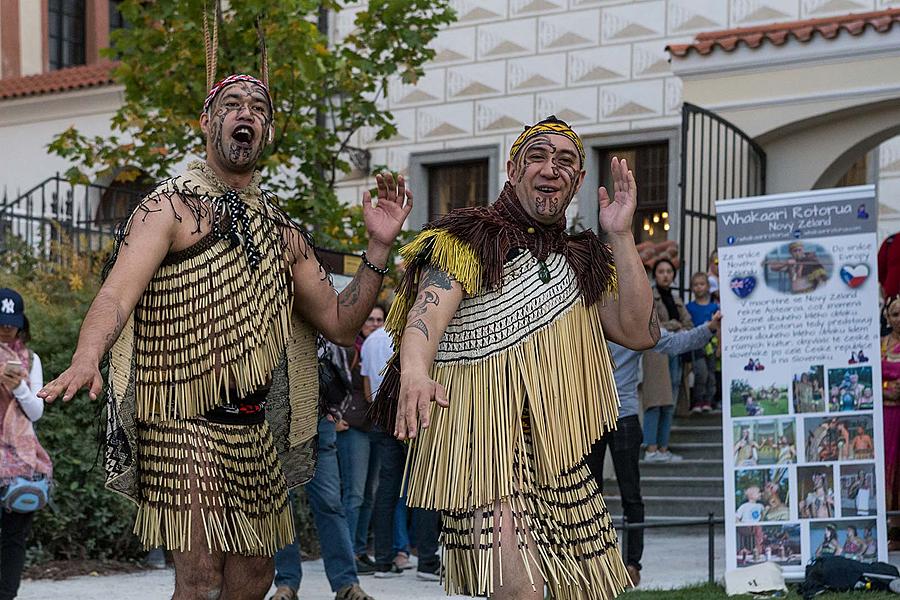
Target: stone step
688 468
702 419
689 450
673 506
696 433
669 486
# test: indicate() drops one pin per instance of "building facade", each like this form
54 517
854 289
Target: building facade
602 65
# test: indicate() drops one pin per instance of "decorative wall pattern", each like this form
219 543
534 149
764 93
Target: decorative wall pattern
600 64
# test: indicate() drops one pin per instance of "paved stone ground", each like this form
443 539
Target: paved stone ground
670 561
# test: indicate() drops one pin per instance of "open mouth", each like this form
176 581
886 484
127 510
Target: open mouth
546 189
243 134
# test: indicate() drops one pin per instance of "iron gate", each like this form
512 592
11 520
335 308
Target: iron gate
718 162
58 212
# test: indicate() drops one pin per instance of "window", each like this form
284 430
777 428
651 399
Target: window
456 185
66 20
650 164
443 180
116 20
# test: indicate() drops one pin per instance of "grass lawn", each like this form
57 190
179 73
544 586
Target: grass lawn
714 592
769 407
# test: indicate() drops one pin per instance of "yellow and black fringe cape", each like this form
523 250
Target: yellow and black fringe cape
507 343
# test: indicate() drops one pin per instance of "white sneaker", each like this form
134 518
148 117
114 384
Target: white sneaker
654 456
672 457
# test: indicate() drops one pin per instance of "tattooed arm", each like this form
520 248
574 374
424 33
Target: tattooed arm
152 233
631 319
439 297
339 319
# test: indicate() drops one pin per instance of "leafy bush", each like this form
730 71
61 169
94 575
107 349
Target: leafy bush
86 521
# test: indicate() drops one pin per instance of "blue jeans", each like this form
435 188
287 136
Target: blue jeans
359 479
324 493
675 371
658 425
401 530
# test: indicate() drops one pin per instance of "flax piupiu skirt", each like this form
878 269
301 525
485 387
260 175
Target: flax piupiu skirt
218 485
573 543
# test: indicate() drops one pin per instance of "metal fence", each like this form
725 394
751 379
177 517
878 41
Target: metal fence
710 522
58 212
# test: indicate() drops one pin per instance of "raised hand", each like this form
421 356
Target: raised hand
616 213
385 218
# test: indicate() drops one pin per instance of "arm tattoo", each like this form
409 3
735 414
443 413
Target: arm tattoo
436 278
113 335
420 325
350 296
425 298
654 325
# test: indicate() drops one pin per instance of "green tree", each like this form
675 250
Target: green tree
324 92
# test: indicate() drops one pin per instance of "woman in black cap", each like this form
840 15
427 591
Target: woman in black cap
21 455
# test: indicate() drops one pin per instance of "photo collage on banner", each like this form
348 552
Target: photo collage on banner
801 378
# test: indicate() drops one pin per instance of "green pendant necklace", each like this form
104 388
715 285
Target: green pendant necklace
543 272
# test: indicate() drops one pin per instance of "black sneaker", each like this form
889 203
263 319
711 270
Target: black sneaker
364 565
432 574
389 572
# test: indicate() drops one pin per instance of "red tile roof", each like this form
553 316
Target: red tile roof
62 80
779 33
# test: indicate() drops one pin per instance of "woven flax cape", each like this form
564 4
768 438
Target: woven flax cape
529 380
208 322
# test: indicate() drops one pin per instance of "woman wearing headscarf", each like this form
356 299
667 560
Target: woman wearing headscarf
21 455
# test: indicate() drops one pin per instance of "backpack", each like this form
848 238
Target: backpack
334 383
839 574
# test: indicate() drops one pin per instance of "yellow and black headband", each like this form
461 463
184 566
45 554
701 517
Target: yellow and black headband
549 125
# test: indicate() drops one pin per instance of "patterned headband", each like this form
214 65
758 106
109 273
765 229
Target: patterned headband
549 125
223 83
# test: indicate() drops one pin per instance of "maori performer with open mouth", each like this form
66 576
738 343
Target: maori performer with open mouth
209 311
502 320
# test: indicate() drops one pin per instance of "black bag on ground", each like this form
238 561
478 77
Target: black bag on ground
839 574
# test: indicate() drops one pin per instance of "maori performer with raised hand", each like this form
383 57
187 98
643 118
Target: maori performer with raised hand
502 320
209 310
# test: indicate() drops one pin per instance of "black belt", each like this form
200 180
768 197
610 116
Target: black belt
249 410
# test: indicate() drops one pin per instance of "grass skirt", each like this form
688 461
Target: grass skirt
225 479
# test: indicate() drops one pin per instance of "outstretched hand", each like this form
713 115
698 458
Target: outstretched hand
616 213
79 375
414 407
385 217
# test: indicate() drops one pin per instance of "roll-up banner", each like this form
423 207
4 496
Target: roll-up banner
801 378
